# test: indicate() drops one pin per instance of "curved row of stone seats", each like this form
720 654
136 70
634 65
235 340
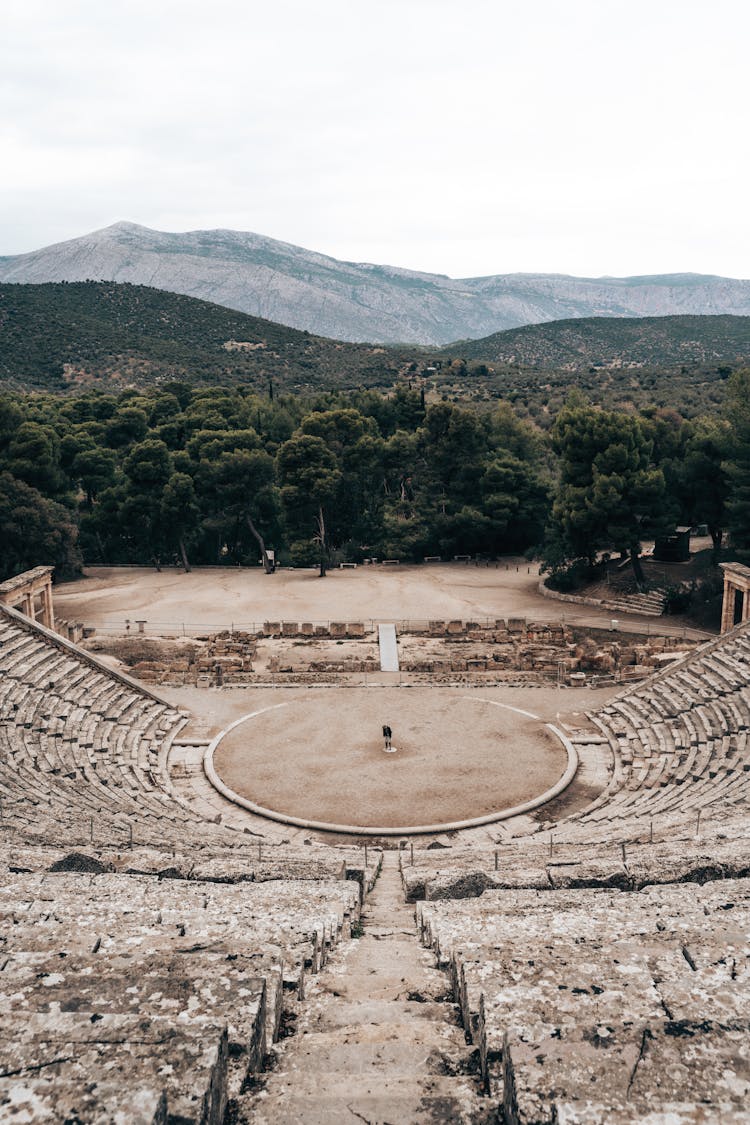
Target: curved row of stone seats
82 749
143 974
72 909
116 983
680 746
246 863
605 1006
677 805
64 1069
83 761
467 872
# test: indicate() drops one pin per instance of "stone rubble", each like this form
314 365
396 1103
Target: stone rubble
510 650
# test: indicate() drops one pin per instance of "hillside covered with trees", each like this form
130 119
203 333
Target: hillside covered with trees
69 337
601 341
679 362
62 335
236 436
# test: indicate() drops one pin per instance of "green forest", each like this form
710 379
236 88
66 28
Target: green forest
187 475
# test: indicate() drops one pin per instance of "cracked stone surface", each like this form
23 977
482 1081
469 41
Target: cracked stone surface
605 1006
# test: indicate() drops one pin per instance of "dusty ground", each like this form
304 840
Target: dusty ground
321 757
214 599
213 709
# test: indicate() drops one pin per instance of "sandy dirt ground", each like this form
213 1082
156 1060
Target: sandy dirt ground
214 599
458 755
334 764
213 709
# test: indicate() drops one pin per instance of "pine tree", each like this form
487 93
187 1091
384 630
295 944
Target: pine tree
610 494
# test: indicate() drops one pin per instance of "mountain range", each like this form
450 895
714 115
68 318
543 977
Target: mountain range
360 302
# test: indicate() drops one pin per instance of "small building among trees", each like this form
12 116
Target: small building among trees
674 547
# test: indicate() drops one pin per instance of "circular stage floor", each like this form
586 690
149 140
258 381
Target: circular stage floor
321 758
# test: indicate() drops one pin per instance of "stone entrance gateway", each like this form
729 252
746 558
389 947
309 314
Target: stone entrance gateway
736 605
22 591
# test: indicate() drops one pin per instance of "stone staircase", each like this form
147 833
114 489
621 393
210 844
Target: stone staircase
647 604
377 1040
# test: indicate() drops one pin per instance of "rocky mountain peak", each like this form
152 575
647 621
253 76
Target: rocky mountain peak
354 301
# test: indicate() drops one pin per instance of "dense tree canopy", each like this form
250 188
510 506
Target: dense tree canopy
32 529
611 494
221 475
738 464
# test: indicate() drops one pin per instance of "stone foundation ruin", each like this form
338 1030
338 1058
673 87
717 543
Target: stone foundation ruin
500 651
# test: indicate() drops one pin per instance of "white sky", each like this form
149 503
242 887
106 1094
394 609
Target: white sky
464 137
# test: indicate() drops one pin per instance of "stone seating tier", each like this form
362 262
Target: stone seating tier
644 992
245 863
118 983
579 980
678 741
462 873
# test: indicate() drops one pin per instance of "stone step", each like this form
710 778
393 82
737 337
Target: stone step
368 986
335 1099
362 1012
401 1048
375 1041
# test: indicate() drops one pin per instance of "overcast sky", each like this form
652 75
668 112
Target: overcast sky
464 137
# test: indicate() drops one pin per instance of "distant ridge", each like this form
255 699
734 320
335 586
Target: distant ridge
572 345
77 336
358 301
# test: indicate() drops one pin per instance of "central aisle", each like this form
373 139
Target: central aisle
376 1040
